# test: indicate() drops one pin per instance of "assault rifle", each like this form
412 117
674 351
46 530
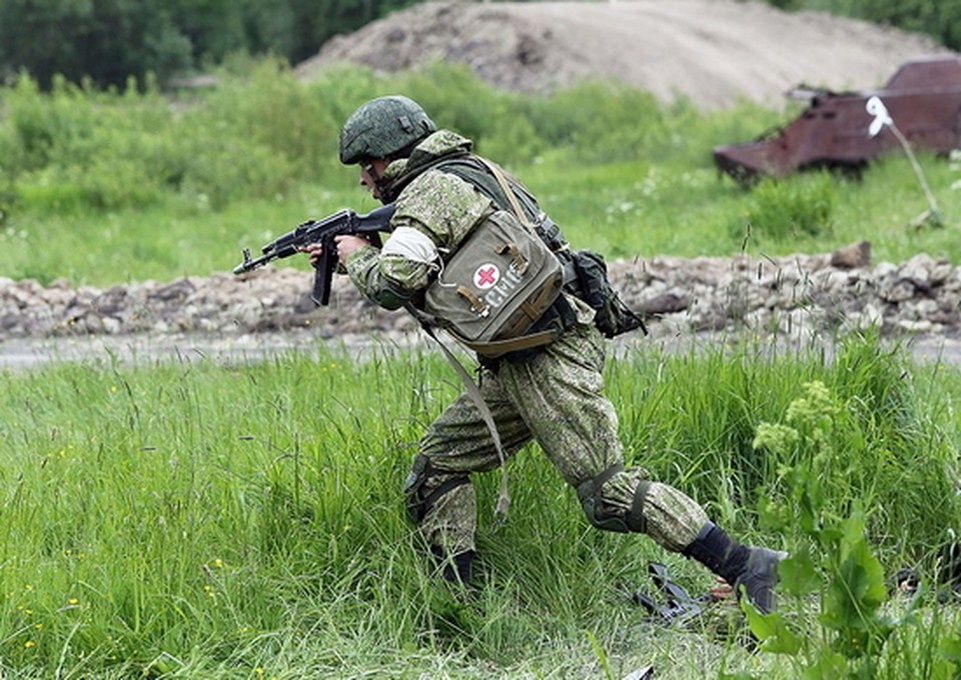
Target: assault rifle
680 605
321 231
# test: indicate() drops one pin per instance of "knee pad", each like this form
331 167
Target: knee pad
619 521
422 496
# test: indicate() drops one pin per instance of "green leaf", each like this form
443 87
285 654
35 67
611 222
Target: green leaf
829 666
798 574
950 649
857 587
771 630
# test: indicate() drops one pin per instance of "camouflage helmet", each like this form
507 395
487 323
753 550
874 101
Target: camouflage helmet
382 127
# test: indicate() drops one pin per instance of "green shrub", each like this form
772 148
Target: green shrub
40 129
78 147
229 169
603 122
799 207
272 110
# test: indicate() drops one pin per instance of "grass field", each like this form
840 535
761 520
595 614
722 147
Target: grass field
213 520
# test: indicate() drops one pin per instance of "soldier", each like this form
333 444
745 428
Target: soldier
551 394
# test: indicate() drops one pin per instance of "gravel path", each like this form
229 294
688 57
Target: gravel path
794 301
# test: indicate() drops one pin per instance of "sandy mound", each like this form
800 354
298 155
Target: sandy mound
711 51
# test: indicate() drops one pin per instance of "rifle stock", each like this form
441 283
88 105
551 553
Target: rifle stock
321 231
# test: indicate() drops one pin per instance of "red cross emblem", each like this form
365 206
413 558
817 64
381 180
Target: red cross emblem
486 276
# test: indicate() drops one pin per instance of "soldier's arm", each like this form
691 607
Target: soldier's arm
432 215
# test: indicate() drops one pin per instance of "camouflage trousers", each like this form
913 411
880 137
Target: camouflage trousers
555 399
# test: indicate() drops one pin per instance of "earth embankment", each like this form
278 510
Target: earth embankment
712 52
797 298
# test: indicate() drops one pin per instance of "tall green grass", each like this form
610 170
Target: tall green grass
200 519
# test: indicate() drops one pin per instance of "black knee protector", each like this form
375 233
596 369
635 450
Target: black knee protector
420 496
589 493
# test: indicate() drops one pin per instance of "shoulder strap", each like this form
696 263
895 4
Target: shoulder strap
473 391
508 191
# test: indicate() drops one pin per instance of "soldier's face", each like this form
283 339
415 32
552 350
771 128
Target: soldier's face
370 171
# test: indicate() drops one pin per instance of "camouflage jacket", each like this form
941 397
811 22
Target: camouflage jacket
438 204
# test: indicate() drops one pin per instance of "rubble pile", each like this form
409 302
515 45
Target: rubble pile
795 295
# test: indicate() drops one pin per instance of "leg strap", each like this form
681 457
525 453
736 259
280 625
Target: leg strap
420 503
589 493
590 488
635 517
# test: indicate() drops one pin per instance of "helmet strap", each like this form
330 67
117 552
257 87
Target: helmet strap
382 185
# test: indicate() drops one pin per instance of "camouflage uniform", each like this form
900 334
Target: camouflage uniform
550 394
553 397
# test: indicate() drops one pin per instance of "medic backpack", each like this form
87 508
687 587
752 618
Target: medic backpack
498 283
584 272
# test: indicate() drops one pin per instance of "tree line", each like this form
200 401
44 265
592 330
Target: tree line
940 19
109 41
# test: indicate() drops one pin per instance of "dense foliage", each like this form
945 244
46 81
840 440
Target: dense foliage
112 40
109 41
941 19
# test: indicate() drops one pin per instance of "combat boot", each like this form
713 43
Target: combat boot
749 569
759 578
457 569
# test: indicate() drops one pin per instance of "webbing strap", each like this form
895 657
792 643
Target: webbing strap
443 489
635 518
476 304
498 347
511 196
473 391
591 486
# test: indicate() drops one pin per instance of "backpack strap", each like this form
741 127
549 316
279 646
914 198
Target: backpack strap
508 192
473 391
499 347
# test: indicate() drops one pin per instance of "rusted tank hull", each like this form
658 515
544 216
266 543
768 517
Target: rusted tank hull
923 98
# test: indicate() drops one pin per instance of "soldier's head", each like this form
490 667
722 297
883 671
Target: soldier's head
386 127
380 131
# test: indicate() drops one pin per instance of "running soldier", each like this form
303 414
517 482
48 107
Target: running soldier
551 394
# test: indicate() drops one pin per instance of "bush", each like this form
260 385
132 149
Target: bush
77 146
497 121
273 110
791 209
605 122
105 150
